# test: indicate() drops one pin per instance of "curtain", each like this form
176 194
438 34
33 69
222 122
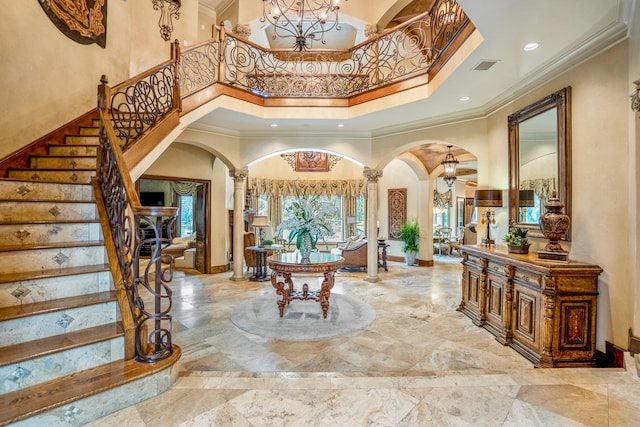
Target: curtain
442 200
275 189
541 187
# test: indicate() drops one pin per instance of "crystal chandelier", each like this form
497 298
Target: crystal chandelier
449 164
304 20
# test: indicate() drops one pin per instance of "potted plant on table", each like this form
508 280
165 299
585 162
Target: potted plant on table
409 233
308 220
517 241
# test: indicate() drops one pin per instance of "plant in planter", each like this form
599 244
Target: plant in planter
517 241
409 233
267 243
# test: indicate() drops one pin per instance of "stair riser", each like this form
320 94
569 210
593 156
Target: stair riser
29 234
82 139
60 364
16 190
54 162
90 130
49 259
83 411
62 176
73 150
50 288
56 323
21 213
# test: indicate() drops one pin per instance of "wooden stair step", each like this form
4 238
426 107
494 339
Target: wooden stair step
46 221
30 401
58 272
26 310
55 245
45 346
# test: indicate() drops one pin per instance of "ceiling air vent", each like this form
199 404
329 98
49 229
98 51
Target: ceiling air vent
485 64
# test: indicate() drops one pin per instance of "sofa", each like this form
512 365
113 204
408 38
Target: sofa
178 246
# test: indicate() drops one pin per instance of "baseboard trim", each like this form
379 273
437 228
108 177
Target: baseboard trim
425 262
214 269
634 343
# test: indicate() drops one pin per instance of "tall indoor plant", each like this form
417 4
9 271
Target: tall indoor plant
410 234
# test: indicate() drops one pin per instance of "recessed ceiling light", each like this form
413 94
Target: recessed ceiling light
464 98
340 125
274 125
531 46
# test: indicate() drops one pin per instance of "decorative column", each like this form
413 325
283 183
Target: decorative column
239 176
372 176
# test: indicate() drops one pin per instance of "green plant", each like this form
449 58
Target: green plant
517 237
409 233
267 242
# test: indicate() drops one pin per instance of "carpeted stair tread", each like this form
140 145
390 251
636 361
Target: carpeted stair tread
61 245
30 401
26 310
58 272
46 221
45 346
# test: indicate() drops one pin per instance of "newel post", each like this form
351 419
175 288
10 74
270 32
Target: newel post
175 56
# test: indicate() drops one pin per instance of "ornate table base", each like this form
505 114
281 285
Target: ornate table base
285 264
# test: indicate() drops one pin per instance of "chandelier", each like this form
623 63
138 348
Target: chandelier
304 20
449 164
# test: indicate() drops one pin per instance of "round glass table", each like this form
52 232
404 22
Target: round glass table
283 265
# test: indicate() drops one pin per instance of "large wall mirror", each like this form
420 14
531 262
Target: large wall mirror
539 159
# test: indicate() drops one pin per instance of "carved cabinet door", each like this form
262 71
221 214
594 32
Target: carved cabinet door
471 290
495 306
527 319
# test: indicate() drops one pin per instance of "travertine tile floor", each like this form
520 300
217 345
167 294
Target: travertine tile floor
420 363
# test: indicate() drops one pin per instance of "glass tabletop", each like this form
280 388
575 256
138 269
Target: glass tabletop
314 258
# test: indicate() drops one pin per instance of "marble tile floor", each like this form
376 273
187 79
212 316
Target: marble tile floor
420 363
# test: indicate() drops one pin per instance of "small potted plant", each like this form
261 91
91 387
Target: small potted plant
267 243
517 241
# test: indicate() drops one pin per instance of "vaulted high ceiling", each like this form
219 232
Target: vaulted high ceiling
568 31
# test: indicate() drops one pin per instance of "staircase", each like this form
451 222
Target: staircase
62 344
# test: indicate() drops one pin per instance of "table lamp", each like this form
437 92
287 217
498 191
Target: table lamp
488 199
350 221
259 222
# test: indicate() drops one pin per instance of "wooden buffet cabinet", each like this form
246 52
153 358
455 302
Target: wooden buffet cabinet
545 310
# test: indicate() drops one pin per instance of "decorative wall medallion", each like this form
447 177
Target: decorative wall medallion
169 10
22 234
311 161
83 21
35 177
55 211
60 258
20 292
397 199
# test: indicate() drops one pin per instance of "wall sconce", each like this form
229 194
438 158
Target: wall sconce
488 199
169 10
259 222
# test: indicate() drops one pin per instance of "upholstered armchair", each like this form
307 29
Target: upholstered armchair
354 254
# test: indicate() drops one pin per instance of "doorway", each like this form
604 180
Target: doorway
192 198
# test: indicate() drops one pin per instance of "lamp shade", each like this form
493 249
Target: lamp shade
260 221
488 198
526 199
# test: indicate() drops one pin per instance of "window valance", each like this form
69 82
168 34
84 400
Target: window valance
286 187
442 200
541 187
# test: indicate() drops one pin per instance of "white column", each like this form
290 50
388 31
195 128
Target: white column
239 176
425 223
372 176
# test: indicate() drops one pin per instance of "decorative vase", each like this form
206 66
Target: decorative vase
410 258
518 249
554 225
306 246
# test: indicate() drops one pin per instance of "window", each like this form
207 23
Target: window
186 215
336 222
440 217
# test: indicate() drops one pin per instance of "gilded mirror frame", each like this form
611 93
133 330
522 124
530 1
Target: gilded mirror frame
561 100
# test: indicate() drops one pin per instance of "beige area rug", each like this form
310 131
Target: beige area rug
302 320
